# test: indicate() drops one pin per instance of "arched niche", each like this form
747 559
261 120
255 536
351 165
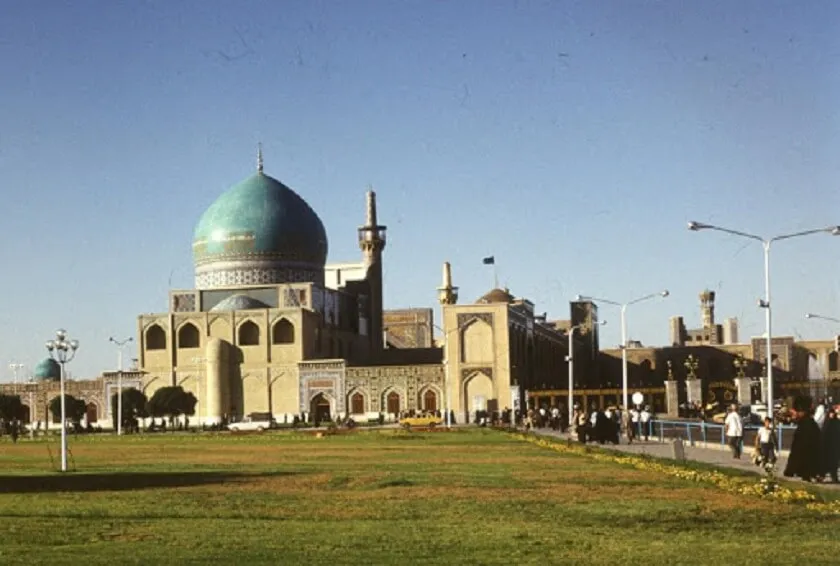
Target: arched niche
155 338
248 334
188 336
283 332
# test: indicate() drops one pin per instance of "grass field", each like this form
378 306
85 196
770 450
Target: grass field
376 497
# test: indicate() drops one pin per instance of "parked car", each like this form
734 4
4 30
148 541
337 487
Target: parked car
428 420
253 422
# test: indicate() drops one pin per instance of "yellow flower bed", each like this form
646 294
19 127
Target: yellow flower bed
765 488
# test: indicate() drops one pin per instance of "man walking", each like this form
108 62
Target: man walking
734 430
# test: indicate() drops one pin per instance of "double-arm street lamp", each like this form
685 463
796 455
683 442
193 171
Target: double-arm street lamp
63 350
664 293
15 369
571 361
765 302
120 345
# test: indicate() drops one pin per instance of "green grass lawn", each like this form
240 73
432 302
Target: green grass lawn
376 497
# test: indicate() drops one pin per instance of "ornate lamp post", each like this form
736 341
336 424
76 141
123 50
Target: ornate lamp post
63 350
691 364
120 345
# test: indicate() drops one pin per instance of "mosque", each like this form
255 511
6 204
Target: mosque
271 327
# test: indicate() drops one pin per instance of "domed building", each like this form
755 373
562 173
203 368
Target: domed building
271 327
47 370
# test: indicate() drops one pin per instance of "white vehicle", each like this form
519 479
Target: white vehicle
258 423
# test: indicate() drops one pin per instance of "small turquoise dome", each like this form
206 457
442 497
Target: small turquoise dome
48 369
239 303
259 231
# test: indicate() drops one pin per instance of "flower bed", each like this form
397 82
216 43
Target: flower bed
767 487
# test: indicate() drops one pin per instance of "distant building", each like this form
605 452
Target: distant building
709 334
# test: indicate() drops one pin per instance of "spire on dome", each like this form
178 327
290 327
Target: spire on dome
259 158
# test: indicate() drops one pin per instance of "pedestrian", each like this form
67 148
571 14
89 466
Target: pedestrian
734 430
831 444
644 418
804 459
765 443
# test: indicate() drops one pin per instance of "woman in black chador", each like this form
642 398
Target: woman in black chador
831 444
804 460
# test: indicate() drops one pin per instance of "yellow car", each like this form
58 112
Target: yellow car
421 420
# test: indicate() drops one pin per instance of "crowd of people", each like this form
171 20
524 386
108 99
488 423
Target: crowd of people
815 450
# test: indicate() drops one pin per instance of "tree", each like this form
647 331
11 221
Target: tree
134 404
171 402
75 409
10 407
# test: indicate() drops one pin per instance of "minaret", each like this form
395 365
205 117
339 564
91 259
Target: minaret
447 294
372 242
707 308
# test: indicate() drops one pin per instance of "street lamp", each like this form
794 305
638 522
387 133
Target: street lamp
15 369
63 350
623 306
571 360
120 345
765 302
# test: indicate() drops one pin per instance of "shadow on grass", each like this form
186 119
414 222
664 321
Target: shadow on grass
127 481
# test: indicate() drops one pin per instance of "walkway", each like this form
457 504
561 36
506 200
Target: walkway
712 454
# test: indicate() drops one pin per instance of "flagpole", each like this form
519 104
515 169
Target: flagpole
495 276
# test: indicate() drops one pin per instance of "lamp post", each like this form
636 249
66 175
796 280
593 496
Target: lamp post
571 360
120 345
15 367
623 306
63 350
765 302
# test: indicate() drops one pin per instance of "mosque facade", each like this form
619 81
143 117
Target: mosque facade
270 327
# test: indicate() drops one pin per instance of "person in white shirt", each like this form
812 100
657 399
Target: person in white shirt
819 413
633 429
765 443
734 430
645 417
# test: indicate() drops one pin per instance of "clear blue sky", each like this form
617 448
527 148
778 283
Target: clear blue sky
571 140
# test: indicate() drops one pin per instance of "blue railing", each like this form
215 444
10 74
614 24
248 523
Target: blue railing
698 431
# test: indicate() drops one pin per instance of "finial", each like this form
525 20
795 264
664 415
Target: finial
259 158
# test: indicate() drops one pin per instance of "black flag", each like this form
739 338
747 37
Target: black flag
489 260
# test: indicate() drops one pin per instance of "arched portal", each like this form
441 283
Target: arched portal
392 402
283 332
320 407
478 393
91 413
357 403
25 414
430 400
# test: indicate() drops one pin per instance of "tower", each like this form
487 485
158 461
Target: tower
707 308
447 294
372 243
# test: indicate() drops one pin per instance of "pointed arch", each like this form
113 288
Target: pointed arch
476 341
188 336
430 398
478 392
248 334
283 332
357 402
155 337
393 400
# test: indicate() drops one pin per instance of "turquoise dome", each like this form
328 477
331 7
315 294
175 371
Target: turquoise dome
259 231
48 369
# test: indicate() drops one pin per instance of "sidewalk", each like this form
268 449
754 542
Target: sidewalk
714 456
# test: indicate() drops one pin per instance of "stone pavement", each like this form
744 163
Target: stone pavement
712 454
